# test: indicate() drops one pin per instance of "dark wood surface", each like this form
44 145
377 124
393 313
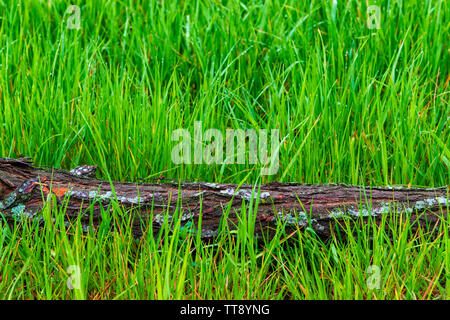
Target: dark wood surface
24 188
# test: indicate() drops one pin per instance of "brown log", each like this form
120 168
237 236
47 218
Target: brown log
25 187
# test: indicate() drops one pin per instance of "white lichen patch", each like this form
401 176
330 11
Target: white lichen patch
376 210
97 196
264 195
382 209
85 228
336 214
159 218
19 212
246 194
358 212
132 200
408 210
385 208
211 185
229 191
187 216
351 212
431 202
9 200
395 187
443 201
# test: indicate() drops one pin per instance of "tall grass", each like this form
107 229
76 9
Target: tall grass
353 104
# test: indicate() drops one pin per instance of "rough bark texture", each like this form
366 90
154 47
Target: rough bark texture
25 187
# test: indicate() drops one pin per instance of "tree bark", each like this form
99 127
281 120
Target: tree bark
25 187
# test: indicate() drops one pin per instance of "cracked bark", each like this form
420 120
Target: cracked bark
297 206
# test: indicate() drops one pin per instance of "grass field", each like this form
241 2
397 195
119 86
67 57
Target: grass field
353 104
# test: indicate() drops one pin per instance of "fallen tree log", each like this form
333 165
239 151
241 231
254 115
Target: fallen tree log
24 188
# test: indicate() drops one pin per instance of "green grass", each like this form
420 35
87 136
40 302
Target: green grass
353 105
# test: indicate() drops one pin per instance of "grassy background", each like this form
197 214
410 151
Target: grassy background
352 104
